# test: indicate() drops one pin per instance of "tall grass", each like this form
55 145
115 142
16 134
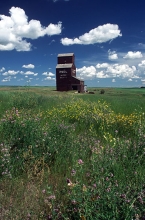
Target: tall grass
70 157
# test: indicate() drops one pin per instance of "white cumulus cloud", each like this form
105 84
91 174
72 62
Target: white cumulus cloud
86 72
112 55
142 64
100 34
48 74
133 55
28 73
2 69
102 65
49 78
141 68
7 79
102 74
16 27
123 70
10 73
29 66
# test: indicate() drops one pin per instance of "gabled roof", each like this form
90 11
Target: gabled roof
65 55
67 65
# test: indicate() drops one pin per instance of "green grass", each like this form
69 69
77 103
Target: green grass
121 100
72 156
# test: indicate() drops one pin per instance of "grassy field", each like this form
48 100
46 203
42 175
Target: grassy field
68 156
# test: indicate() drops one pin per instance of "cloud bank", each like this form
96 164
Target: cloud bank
106 70
15 29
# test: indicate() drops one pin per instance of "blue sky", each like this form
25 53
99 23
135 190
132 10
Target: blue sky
106 36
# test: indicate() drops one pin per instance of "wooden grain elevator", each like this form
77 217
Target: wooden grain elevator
66 74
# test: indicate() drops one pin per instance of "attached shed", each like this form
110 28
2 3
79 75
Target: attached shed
66 74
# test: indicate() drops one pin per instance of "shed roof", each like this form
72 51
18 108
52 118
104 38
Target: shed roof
77 78
67 65
65 55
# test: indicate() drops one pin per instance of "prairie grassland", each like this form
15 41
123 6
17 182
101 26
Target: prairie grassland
72 156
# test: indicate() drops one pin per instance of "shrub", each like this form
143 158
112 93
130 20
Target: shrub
102 91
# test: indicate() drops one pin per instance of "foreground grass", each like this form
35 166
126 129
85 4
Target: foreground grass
71 157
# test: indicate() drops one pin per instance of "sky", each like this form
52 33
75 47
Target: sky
106 36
